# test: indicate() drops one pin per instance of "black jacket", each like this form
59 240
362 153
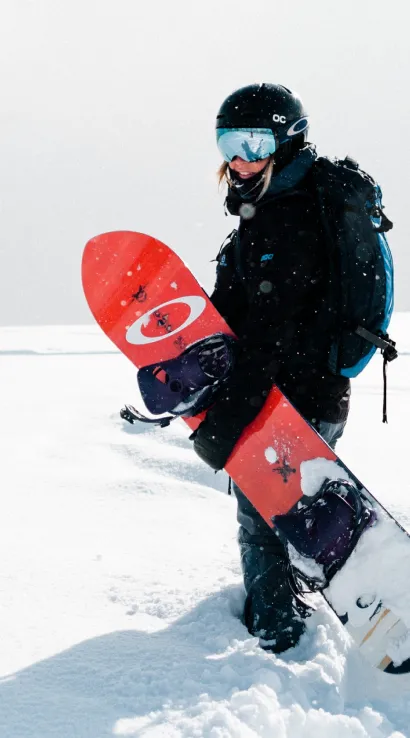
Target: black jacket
271 286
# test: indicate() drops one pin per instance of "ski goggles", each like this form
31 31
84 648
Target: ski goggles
250 144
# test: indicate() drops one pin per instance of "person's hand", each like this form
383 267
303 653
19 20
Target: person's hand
214 444
239 402
218 434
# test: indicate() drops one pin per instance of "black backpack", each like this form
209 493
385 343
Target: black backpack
360 264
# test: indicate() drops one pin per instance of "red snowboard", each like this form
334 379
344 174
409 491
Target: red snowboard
150 305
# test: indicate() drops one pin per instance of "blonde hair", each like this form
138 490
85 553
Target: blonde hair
223 176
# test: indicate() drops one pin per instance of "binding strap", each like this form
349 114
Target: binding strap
132 415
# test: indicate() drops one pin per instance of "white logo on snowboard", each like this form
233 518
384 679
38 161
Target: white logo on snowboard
196 305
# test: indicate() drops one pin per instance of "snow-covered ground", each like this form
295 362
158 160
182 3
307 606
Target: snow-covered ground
120 585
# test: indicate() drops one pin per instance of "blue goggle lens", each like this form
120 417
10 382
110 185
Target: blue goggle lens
250 144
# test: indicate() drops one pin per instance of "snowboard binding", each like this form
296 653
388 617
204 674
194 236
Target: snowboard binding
321 535
186 385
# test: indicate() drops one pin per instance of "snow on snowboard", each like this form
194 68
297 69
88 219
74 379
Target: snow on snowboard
338 536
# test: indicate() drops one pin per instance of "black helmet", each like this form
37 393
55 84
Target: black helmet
267 106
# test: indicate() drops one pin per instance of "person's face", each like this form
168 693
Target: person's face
245 169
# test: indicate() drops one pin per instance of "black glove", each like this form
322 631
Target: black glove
218 434
211 448
240 400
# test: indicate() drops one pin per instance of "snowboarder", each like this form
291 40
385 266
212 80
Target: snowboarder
271 288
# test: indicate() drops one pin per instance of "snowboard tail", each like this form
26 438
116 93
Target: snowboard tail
150 305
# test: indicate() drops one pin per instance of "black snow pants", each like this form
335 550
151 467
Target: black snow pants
274 611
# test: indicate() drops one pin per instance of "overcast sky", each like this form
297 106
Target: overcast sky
107 123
